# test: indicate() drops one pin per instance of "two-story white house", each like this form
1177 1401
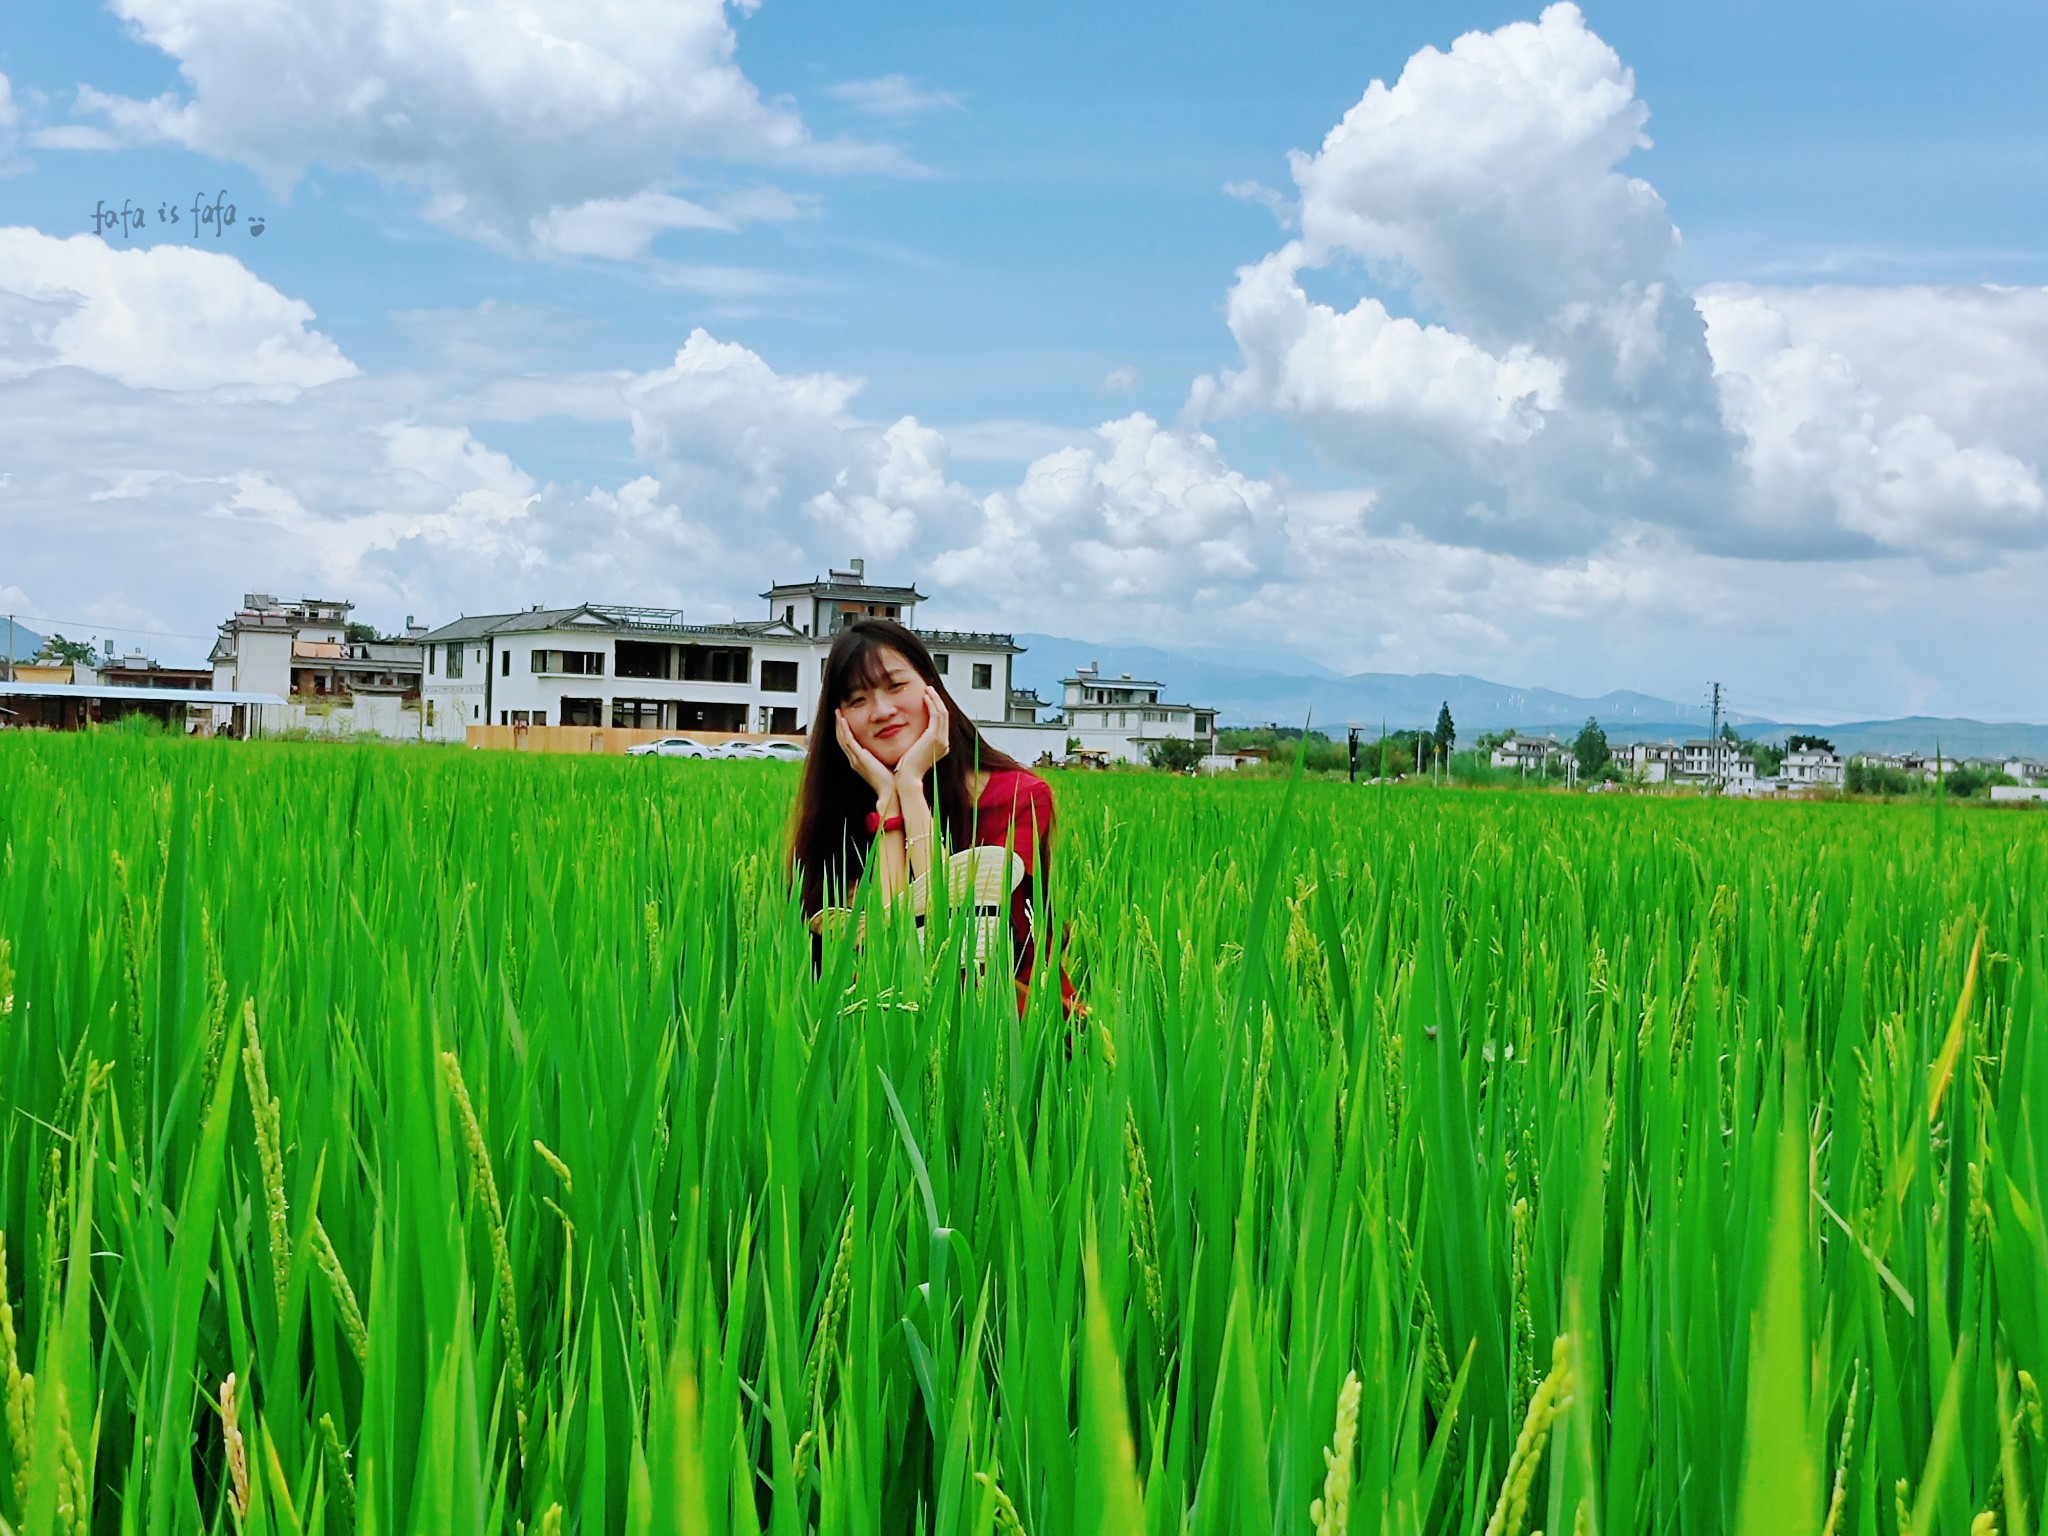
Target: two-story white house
1810 770
330 684
1122 717
1528 754
617 666
1653 762
611 665
1718 763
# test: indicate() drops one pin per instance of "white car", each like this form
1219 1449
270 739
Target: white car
670 746
774 751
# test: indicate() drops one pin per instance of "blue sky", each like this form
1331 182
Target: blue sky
960 273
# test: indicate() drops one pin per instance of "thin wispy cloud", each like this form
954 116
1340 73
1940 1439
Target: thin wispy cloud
893 97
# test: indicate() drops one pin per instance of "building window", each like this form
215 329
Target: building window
940 661
717 664
637 714
778 677
659 661
583 711
430 712
789 615
476 712
984 674
454 662
430 659
570 663
504 715
505 664
892 610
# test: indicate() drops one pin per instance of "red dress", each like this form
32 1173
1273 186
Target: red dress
1015 812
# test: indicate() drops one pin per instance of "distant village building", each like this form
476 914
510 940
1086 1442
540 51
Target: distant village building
1024 706
1718 762
331 685
1528 754
1812 769
1653 762
139 670
823 608
70 696
618 667
1123 717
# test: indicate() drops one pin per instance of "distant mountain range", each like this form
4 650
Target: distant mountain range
1278 686
26 641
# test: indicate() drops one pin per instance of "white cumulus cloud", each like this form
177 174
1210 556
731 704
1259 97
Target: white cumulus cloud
500 113
1134 519
1914 420
1554 381
1527 375
162 317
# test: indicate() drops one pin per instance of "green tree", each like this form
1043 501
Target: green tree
1590 747
77 653
1176 754
362 634
1798 743
1446 729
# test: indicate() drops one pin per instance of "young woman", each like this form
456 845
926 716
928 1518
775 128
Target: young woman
899 787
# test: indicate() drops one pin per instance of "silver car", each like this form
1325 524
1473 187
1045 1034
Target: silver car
772 751
670 746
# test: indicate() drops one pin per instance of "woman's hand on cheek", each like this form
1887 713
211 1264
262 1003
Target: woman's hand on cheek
865 763
931 743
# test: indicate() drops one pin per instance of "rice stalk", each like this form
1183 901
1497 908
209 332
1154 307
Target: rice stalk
1331 1513
349 1312
264 1110
237 1449
494 1218
1553 1396
343 1480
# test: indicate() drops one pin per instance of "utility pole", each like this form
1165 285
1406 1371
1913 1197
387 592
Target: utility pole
1714 738
1354 754
10 647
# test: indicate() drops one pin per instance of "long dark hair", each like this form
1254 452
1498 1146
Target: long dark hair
829 837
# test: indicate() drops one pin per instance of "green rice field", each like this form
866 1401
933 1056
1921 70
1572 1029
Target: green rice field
415 1140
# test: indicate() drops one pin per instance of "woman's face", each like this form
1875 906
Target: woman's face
889 716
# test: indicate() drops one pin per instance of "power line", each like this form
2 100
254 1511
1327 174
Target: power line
95 624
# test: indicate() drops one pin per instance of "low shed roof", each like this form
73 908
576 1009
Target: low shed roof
145 695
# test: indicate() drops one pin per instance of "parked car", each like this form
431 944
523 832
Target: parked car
669 746
775 751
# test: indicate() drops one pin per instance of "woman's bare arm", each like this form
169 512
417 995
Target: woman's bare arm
887 856
916 810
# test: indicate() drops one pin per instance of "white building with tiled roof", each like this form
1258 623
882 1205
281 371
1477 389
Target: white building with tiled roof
331 685
601 664
1123 717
